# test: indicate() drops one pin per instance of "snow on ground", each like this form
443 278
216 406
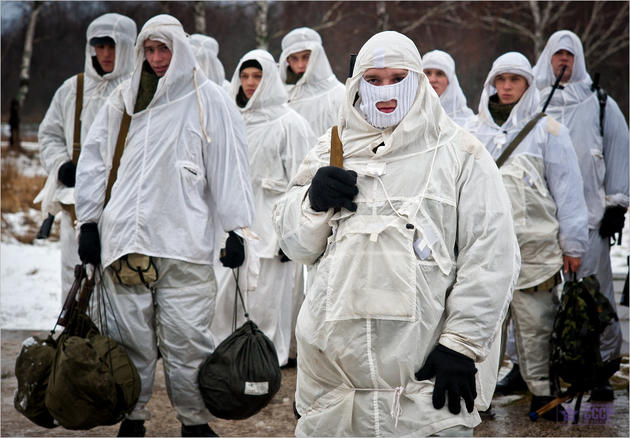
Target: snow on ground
30 285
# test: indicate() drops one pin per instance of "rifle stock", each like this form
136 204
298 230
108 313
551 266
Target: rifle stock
70 303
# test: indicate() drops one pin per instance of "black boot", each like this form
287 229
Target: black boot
602 392
557 414
488 414
512 382
132 428
198 430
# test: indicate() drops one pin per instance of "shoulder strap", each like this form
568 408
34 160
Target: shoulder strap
518 139
76 138
120 146
336 148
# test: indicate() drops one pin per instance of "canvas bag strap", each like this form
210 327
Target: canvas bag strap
518 139
336 148
120 146
76 138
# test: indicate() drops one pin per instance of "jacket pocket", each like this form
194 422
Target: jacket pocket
373 273
599 165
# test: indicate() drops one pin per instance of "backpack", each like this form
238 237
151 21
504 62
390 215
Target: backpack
32 368
583 315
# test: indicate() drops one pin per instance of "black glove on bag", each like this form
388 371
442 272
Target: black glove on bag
67 173
333 187
454 373
89 244
233 255
612 222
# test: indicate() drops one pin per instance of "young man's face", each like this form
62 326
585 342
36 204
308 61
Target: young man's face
560 58
298 61
250 78
158 55
106 56
510 87
385 76
437 79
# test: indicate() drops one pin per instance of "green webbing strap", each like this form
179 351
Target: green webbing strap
120 146
78 106
518 139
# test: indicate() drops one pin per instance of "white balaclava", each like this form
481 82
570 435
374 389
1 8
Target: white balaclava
404 92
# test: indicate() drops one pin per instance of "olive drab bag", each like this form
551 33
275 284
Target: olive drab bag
583 315
32 368
242 375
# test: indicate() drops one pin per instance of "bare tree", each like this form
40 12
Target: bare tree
200 17
260 22
605 33
440 10
382 16
332 17
25 72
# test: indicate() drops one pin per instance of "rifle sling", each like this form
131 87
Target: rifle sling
76 138
518 139
120 146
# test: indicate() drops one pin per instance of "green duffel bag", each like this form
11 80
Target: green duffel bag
32 368
93 382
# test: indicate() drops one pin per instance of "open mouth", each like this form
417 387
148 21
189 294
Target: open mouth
386 107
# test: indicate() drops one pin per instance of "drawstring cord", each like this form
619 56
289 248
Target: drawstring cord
396 410
203 128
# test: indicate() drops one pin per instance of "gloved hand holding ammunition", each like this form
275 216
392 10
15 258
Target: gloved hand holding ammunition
454 373
233 255
333 187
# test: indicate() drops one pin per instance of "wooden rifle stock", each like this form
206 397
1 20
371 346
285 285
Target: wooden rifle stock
70 304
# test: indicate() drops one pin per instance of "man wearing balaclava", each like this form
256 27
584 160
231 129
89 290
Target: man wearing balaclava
108 62
278 139
183 175
439 67
550 216
314 91
415 253
600 137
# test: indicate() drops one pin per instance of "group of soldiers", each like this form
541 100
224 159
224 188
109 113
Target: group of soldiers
383 224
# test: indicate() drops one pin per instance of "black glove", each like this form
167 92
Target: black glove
454 373
89 244
66 174
612 222
333 187
283 256
233 255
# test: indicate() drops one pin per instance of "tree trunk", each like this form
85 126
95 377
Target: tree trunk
382 16
262 31
25 72
200 17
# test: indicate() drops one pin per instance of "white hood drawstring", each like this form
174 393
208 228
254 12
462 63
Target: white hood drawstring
403 92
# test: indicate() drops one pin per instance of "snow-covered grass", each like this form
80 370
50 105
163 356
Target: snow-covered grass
30 296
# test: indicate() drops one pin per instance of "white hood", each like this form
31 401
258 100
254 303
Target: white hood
515 63
453 99
270 91
579 85
303 38
206 50
177 81
123 31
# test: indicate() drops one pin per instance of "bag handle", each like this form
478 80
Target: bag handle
518 139
78 106
120 146
238 294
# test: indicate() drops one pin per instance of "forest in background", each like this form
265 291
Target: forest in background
474 33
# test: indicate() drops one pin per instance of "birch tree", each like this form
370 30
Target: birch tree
261 24
25 70
200 17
